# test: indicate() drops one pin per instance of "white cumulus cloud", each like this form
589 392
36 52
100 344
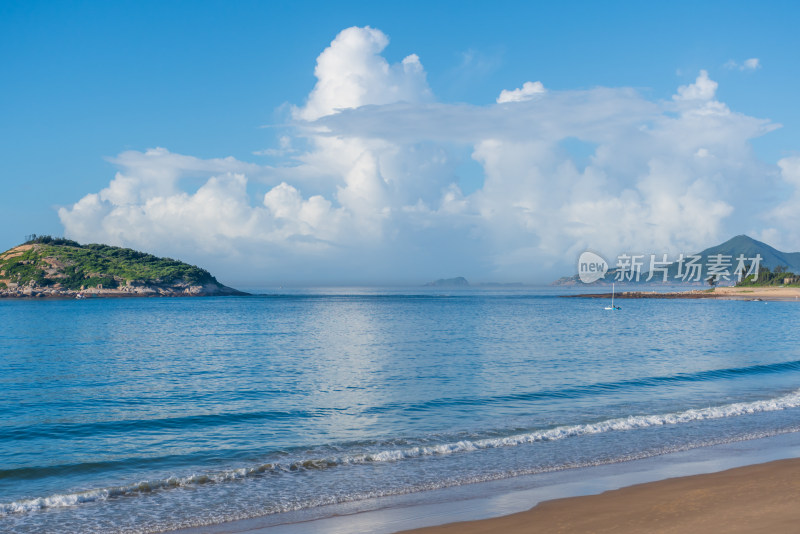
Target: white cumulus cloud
785 217
703 88
526 92
352 73
376 193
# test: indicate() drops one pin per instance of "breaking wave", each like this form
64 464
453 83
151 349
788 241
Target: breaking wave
632 422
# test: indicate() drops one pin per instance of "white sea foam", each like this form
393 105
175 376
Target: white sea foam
632 422
146 486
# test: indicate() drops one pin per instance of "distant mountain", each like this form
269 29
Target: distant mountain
55 267
771 257
732 249
741 245
459 281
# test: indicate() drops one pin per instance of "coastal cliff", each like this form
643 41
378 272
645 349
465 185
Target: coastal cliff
54 267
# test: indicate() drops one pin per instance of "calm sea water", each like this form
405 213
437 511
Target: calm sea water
144 415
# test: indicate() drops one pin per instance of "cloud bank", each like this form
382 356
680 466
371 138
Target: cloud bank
377 193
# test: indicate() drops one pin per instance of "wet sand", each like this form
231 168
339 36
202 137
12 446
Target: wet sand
754 498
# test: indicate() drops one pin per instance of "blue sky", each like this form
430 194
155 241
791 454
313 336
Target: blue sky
86 86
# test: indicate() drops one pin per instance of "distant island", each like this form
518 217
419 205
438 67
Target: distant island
45 266
458 281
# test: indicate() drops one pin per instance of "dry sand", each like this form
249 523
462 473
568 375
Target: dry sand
719 293
763 293
756 498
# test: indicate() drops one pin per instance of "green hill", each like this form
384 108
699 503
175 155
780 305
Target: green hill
771 258
49 266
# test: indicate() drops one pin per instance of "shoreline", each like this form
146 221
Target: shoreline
462 508
761 497
208 290
720 293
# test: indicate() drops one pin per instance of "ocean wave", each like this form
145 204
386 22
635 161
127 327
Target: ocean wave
142 487
632 422
598 388
205 421
181 423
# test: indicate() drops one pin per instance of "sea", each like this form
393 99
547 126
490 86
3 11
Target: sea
144 415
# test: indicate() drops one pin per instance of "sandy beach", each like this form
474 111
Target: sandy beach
755 498
763 293
719 293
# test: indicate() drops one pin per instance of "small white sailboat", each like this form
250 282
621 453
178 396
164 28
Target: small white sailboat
612 307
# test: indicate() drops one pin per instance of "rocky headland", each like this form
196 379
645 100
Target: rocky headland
59 268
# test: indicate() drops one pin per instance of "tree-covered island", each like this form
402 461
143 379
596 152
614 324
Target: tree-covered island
45 266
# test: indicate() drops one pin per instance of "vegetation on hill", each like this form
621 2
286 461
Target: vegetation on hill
49 261
779 276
